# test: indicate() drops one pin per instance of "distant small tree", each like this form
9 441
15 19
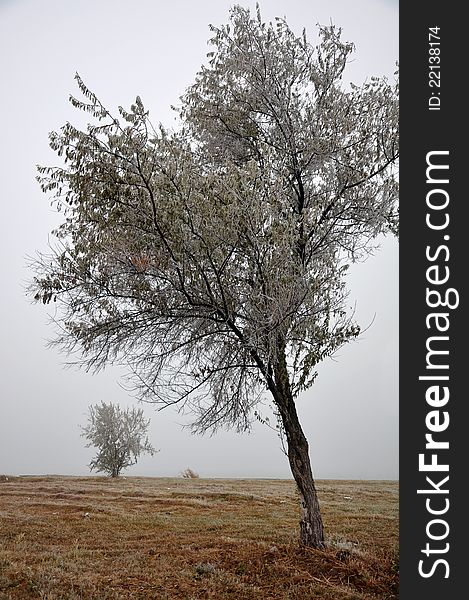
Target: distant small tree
119 435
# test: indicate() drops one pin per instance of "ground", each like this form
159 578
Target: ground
71 538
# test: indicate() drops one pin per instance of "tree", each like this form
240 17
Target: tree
211 259
119 435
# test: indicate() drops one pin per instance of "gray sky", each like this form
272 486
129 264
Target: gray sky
154 48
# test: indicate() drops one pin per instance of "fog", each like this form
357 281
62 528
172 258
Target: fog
152 48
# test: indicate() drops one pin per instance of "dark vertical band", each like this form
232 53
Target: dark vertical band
433 257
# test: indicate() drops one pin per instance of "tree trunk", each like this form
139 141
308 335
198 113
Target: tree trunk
311 526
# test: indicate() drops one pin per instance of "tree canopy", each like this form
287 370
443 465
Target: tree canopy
211 259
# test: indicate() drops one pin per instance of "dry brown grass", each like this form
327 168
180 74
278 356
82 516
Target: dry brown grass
71 538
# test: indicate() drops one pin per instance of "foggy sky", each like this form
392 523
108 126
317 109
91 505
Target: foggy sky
154 49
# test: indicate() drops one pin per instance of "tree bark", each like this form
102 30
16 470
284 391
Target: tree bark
311 525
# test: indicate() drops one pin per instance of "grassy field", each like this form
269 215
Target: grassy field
76 538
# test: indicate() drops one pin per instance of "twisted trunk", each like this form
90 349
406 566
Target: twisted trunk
311 526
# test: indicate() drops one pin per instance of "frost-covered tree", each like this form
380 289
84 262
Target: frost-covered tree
119 435
211 260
